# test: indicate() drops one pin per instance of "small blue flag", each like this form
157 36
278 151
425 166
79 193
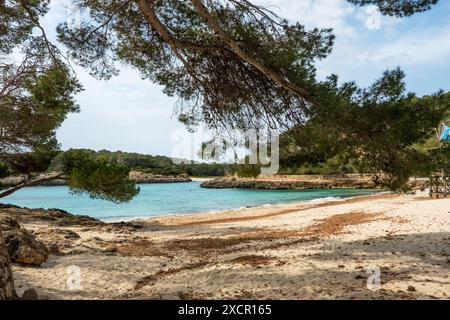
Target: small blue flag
445 136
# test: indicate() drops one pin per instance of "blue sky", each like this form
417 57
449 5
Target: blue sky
130 114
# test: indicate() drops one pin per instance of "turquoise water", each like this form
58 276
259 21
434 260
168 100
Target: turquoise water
162 199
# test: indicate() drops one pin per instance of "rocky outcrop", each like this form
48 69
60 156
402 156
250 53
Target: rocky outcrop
6 277
141 177
60 218
12 180
7 223
15 180
28 236
22 246
301 182
30 294
136 176
56 216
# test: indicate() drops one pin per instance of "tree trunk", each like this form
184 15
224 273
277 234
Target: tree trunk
6 277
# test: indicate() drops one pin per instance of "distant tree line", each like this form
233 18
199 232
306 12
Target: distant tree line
152 164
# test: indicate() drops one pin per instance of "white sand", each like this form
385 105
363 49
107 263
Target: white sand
295 251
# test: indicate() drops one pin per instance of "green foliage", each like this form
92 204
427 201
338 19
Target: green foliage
32 109
246 170
377 130
335 165
36 95
98 177
150 164
30 162
35 101
206 170
399 8
4 170
15 24
441 159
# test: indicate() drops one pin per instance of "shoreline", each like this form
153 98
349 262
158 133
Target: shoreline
259 212
290 251
202 179
303 182
113 214
280 205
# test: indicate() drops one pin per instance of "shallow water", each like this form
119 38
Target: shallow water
166 198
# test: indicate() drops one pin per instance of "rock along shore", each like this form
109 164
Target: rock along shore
301 182
137 176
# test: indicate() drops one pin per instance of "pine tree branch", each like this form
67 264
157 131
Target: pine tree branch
233 45
147 8
33 182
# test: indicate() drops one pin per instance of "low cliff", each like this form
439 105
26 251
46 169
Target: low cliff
141 177
138 177
301 182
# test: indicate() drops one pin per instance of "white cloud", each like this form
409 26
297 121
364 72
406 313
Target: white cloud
315 13
431 46
124 113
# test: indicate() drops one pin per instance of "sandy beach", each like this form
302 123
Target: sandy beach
311 250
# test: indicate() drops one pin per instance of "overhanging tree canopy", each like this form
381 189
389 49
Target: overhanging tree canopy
380 130
36 95
232 63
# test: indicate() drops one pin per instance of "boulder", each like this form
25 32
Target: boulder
7 223
24 248
30 294
6 278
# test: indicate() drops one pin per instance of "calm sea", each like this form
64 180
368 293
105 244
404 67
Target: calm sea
163 199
